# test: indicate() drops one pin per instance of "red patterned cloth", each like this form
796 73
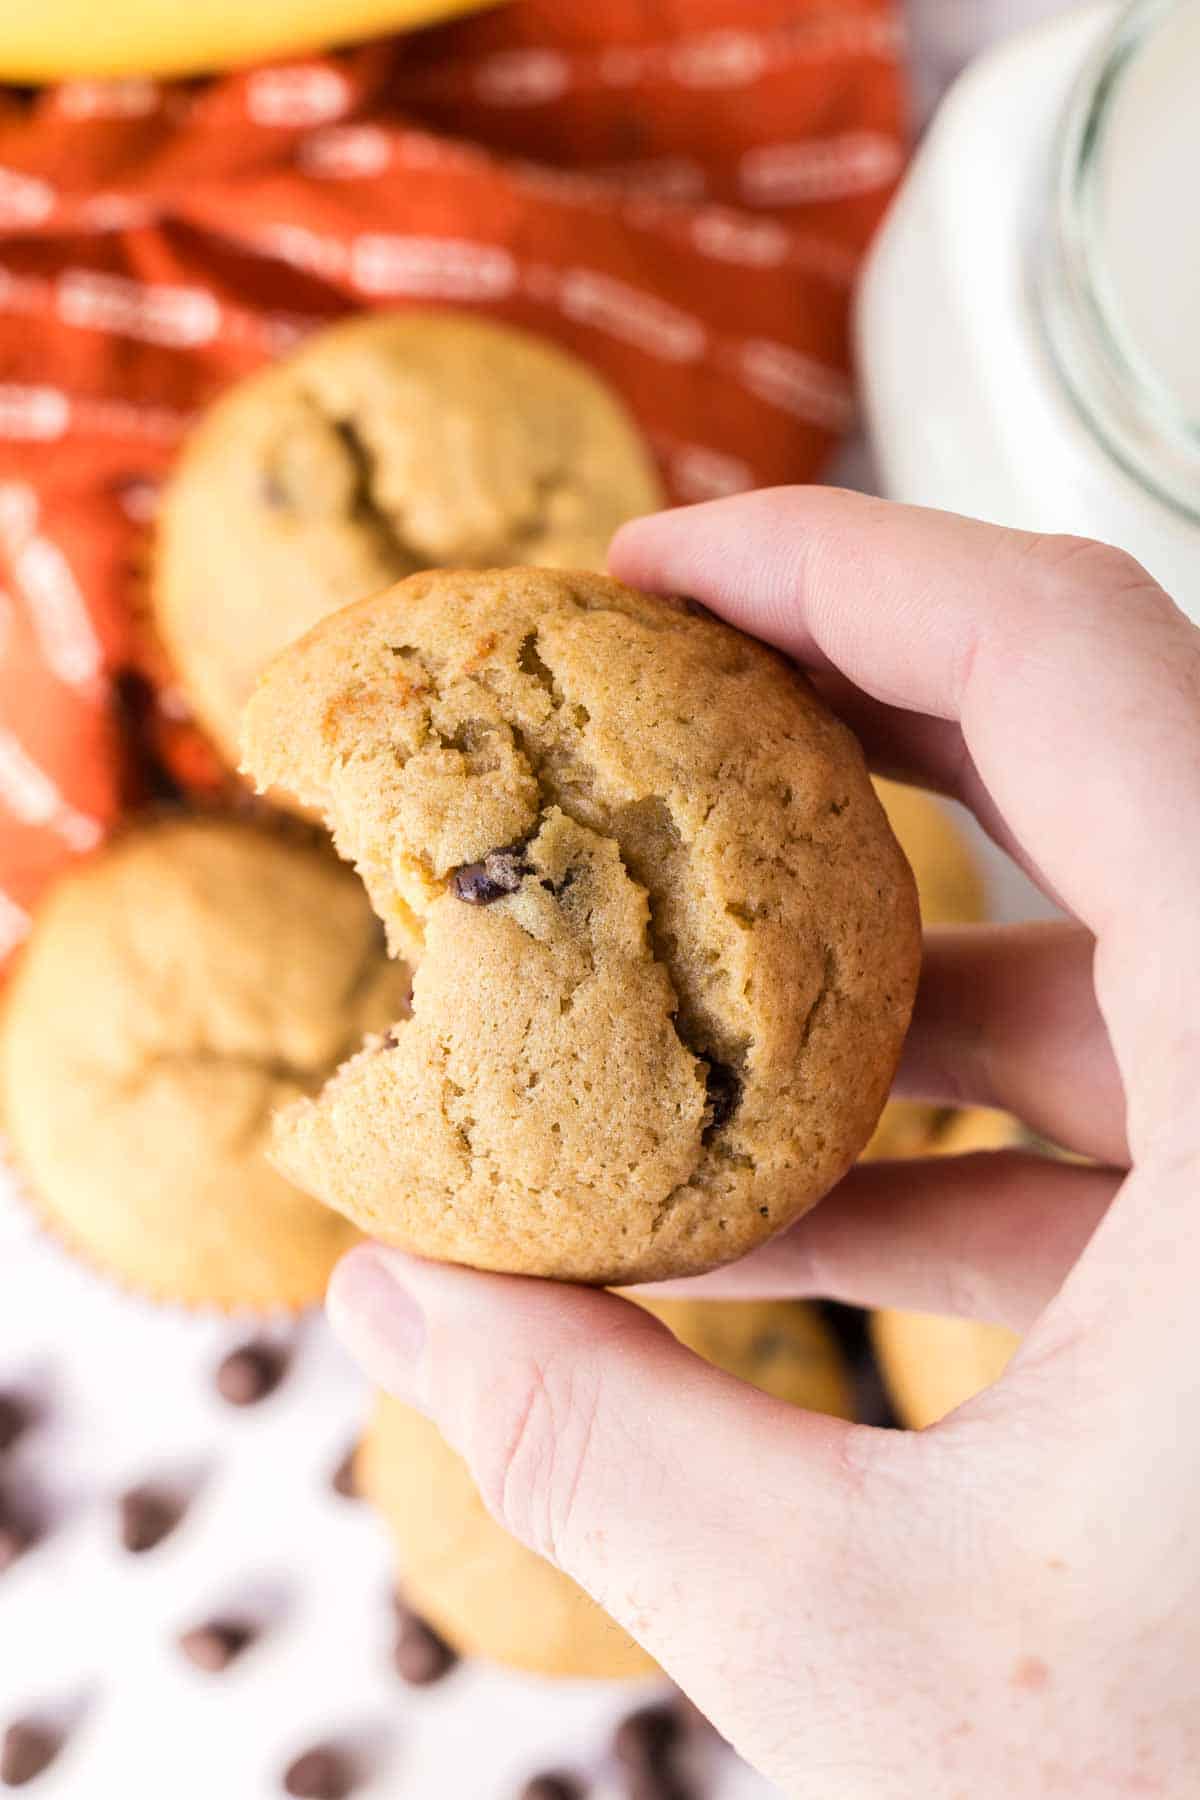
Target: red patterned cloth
679 191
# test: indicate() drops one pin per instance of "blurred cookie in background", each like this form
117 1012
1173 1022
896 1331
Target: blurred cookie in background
488 1595
932 1365
177 986
929 1364
387 444
949 881
950 891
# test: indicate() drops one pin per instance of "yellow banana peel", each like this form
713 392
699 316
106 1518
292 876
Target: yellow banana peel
56 40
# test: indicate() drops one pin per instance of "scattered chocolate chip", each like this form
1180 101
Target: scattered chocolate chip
250 1373
689 1715
15 1418
501 872
147 1516
214 1646
646 1738
420 1656
657 1784
322 1773
552 1786
27 1749
343 1480
16 1535
723 1087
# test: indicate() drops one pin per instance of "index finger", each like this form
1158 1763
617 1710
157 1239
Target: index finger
1074 678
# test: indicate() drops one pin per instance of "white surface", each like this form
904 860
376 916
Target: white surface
86 1627
965 408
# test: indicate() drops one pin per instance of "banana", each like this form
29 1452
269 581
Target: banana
56 40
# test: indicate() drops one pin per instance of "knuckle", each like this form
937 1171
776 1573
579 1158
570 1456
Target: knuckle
1081 568
532 1450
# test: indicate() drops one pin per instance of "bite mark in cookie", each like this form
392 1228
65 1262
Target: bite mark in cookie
662 980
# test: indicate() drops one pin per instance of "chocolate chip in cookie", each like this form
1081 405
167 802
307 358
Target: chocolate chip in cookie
500 872
723 1088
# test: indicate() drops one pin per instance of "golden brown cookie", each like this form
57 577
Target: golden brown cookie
667 943
931 1364
950 890
490 1596
176 988
389 443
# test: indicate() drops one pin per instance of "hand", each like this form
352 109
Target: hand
1008 1603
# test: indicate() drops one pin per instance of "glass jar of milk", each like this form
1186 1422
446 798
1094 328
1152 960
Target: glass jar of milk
1029 322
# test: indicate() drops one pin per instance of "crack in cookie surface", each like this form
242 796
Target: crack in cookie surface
707 966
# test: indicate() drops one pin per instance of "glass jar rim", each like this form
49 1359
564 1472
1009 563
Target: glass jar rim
1123 401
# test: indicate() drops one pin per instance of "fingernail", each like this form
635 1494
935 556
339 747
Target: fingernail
380 1323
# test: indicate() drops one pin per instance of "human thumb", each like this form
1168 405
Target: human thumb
666 1488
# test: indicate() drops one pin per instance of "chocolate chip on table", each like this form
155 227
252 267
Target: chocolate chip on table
645 1739
322 1773
500 872
250 1373
552 1786
657 1784
420 1656
213 1646
16 1535
723 1087
26 1750
147 1515
343 1480
15 1418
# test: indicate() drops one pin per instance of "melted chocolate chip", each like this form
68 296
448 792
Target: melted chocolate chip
500 872
723 1087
